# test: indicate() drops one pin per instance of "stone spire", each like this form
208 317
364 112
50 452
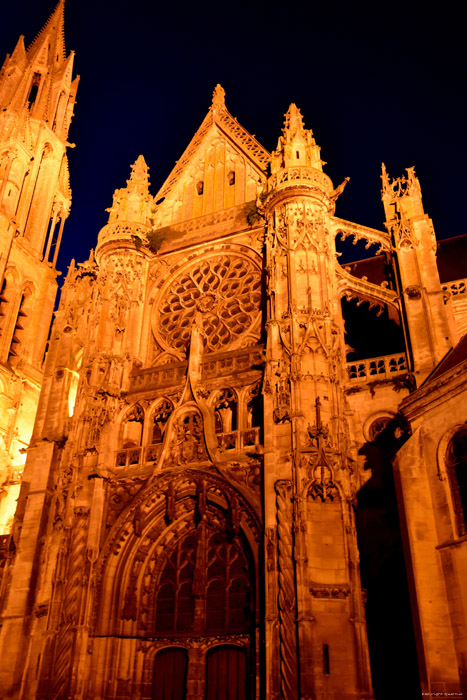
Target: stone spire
53 33
133 202
40 78
296 146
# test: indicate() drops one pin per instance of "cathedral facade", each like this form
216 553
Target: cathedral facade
217 488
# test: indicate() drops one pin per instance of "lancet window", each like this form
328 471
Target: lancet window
20 327
3 304
204 587
456 465
254 409
36 80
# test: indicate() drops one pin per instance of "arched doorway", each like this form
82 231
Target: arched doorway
170 669
226 674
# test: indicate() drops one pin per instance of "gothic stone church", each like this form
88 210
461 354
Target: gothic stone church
246 462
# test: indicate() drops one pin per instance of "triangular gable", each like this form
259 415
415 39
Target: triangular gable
222 167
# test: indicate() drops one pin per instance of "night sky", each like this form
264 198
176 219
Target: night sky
376 82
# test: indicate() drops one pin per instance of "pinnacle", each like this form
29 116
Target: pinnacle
293 119
218 96
140 171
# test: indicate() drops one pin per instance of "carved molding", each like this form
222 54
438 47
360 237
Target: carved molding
330 592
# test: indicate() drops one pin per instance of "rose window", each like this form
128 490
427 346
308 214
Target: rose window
224 290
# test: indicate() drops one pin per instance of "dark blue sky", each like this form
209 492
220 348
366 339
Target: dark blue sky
375 81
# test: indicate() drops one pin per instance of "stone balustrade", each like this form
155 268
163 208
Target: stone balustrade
134 458
365 371
238 439
455 288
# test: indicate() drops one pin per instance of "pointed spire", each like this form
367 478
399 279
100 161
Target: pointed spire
19 54
293 120
139 174
133 202
70 275
296 146
54 29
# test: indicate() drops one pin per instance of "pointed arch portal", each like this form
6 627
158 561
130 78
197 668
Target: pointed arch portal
181 577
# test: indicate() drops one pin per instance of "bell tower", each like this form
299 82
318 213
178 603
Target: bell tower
314 607
37 95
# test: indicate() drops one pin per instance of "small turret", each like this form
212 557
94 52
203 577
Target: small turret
133 202
296 146
131 210
296 163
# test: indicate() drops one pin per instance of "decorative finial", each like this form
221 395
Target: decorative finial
384 177
293 119
218 96
140 171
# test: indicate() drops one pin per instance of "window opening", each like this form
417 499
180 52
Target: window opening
219 590
18 330
225 411
456 465
254 409
34 89
200 187
133 428
231 178
3 304
326 666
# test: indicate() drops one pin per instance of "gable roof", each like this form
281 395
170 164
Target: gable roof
219 116
454 357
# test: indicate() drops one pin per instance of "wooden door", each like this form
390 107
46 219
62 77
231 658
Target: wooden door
226 677
170 668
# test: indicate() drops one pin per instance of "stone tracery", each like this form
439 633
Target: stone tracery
226 289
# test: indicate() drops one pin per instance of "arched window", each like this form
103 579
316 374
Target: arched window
226 673
175 603
210 578
170 669
19 331
456 466
160 417
254 409
133 427
36 81
4 300
225 411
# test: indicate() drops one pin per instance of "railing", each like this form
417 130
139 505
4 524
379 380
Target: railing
364 371
455 288
238 439
300 173
134 456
